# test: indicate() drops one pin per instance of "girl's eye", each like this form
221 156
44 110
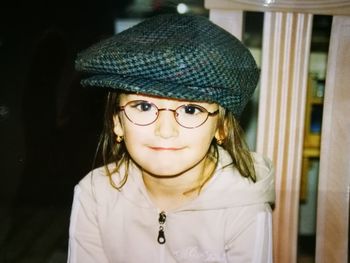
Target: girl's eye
142 105
192 109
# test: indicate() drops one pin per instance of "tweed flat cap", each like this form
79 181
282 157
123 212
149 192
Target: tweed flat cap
176 56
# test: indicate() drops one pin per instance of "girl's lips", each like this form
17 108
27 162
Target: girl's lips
158 148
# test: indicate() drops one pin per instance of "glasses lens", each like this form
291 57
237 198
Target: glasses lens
141 112
191 115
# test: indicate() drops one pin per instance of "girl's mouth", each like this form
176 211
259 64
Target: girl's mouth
163 148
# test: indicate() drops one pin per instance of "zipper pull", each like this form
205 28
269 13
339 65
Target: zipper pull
161 220
161 237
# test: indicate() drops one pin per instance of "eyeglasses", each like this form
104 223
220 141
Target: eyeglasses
143 113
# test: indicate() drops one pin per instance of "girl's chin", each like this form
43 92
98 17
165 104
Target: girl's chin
170 169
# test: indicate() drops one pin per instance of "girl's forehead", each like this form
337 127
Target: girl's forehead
124 98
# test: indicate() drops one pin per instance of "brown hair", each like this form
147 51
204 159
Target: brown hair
229 130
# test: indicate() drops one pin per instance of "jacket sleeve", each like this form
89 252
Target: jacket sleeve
253 242
85 244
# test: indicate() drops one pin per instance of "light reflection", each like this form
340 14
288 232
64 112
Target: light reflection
269 2
182 8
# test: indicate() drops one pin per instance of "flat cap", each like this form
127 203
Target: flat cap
175 56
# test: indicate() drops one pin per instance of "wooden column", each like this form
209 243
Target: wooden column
321 7
281 118
334 179
230 20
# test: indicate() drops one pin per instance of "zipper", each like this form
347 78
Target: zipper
161 220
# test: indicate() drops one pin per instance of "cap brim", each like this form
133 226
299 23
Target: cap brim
157 88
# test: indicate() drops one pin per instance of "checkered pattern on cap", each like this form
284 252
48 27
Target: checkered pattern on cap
177 56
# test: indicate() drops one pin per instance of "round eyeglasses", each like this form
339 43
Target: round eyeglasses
143 113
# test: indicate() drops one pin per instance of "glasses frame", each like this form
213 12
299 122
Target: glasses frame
174 111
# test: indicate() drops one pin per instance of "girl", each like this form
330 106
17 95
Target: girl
179 184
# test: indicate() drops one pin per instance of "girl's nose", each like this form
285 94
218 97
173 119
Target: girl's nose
166 125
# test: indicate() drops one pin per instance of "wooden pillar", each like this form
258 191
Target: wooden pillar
281 118
334 179
230 20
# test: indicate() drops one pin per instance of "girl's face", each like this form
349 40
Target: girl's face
164 148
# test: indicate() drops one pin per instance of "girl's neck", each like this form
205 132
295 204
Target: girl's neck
173 192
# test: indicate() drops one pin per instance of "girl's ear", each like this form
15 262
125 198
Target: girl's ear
219 137
221 132
118 128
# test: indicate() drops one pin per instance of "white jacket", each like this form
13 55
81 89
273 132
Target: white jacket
230 221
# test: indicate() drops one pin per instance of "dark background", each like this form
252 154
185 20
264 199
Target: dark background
49 125
48 122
